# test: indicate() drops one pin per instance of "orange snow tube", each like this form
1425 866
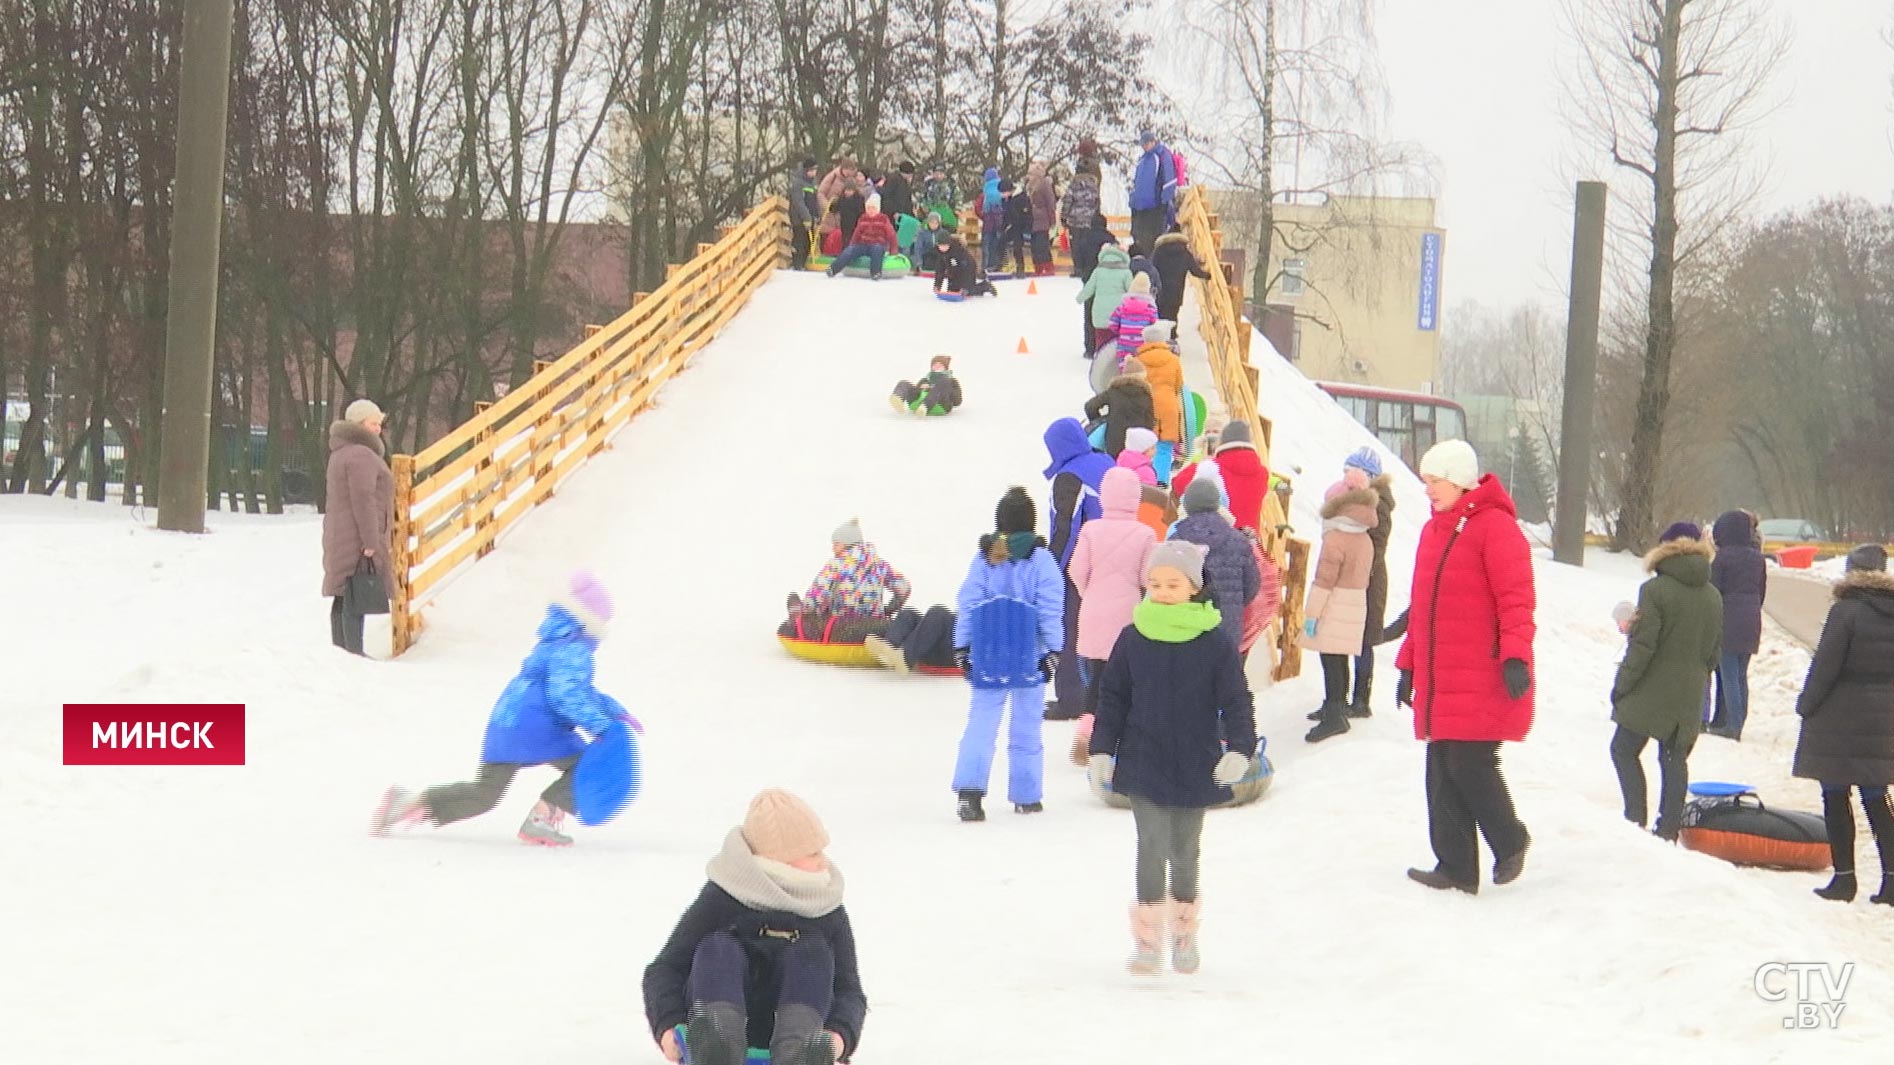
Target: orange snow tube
1743 831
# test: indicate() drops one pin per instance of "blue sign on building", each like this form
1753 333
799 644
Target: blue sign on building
1430 282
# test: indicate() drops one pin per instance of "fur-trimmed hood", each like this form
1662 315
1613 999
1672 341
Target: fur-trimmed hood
1170 238
1356 504
1130 379
1685 559
1871 587
342 434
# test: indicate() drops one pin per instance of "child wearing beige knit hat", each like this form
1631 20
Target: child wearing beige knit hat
765 956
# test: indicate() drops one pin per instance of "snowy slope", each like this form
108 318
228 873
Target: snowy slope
241 914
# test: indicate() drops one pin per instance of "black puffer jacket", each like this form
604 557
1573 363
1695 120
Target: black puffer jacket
1125 405
1847 703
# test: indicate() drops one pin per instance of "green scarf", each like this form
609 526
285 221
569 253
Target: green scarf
1019 545
1174 623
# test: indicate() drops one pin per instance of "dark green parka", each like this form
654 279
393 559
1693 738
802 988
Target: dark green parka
1675 643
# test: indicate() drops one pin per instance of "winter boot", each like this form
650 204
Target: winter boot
541 827
716 1034
1360 707
1507 869
1885 897
1841 888
1333 722
1440 881
1184 956
399 808
970 808
899 404
1029 807
886 653
1147 937
799 1038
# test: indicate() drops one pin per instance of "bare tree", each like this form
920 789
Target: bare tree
1666 91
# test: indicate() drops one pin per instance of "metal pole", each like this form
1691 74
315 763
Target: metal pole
1581 373
196 229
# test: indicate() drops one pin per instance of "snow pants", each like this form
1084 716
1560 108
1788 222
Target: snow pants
1169 838
1467 798
1025 752
783 987
457 802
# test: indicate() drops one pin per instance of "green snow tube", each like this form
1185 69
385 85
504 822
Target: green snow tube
892 266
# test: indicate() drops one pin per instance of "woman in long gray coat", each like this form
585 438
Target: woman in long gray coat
358 521
1847 710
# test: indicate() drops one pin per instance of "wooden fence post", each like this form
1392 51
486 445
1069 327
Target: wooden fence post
401 615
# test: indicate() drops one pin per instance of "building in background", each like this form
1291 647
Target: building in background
1354 286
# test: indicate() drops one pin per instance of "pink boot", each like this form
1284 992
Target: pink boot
1184 917
1147 934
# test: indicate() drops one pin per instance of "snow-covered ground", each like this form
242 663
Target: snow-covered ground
241 914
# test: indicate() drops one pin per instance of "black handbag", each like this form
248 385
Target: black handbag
364 593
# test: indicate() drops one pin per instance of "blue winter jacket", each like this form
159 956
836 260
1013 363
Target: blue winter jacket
1155 182
1168 711
1011 616
1077 472
552 695
990 199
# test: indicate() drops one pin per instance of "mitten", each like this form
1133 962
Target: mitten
963 658
1048 665
1101 769
1518 677
1404 689
1230 768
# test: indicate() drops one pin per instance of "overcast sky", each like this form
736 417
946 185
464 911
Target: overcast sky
1477 83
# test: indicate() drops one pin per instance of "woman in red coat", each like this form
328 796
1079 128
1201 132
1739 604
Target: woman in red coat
1466 666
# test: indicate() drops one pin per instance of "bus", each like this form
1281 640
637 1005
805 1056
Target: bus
1408 423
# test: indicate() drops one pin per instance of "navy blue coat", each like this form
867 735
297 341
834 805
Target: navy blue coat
1229 568
667 979
1168 711
1742 576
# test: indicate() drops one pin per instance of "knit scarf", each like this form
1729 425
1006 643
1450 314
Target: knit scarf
1019 545
1174 622
770 886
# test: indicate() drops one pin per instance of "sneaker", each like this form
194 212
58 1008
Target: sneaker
970 808
1029 807
886 653
399 808
541 827
1440 881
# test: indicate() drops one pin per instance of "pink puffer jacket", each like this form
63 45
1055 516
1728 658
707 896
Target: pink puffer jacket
1108 564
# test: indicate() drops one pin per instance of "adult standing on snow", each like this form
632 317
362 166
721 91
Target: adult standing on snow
1741 575
1153 190
897 192
1466 666
804 213
1045 209
358 520
1847 711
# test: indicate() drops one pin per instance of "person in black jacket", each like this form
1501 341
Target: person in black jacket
849 208
1087 242
1125 404
802 213
957 270
1172 258
1175 727
765 956
897 192
1847 711
1018 205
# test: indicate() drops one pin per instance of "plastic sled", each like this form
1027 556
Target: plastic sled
1739 829
951 297
1716 789
751 1056
607 775
891 266
1253 786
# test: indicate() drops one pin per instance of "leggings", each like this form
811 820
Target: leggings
1168 836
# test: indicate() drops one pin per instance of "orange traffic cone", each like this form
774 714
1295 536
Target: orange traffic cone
1022 346
1032 288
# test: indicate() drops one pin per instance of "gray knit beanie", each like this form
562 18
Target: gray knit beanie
847 533
1202 495
1180 555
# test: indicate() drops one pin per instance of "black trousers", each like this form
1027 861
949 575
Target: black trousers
1364 675
1094 682
457 802
1146 226
1627 747
345 629
783 991
1067 685
1041 248
1467 798
1841 825
924 639
1334 680
1091 332
798 245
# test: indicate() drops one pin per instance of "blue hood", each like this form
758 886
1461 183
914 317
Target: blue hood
560 624
1733 529
1065 441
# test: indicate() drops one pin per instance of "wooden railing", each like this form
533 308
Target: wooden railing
1227 336
454 499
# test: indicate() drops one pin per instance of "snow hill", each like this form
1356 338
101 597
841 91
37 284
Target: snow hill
242 915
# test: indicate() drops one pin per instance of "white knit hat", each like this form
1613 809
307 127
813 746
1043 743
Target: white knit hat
849 532
1139 439
361 410
1452 461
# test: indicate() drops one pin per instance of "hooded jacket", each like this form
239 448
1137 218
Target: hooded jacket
1165 374
1173 259
852 585
1847 702
1229 567
360 514
1472 610
1245 480
551 696
992 204
1154 183
1132 315
1741 575
1125 405
1338 599
1108 565
1045 198
897 194
1377 617
1673 647
1077 472
1108 285
1087 245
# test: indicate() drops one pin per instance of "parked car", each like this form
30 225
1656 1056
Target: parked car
1790 531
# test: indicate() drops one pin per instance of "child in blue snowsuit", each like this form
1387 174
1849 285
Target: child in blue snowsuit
534 722
1007 637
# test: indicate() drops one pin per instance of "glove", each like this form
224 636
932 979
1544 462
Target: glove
1230 768
1048 665
1100 770
1404 689
1518 677
1308 627
963 658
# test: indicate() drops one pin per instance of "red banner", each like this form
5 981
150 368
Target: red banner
154 734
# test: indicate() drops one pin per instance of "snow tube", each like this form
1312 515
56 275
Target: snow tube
607 775
850 655
1253 786
1739 829
894 265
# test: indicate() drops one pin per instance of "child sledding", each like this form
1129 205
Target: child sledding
854 595
932 396
957 274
